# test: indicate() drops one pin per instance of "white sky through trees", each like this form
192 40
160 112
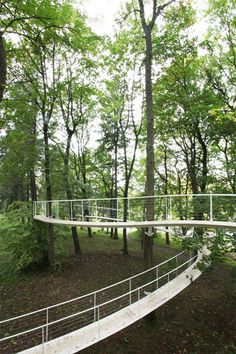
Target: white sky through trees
102 14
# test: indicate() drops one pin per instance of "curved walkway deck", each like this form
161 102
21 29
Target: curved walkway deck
78 323
97 315
138 224
93 333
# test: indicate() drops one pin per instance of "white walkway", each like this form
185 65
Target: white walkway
139 224
93 333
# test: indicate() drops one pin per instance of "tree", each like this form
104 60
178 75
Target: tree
148 27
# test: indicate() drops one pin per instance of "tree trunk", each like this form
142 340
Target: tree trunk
74 232
115 201
3 67
166 188
125 212
148 241
33 188
49 196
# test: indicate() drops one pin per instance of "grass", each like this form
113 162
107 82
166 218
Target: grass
159 239
99 243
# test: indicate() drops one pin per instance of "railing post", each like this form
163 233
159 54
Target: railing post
139 302
157 275
190 256
128 213
117 208
166 207
43 337
211 208
168 285
71 210
82 209
98 322
130 294
96 209
176 264
47 324
94 304
57 210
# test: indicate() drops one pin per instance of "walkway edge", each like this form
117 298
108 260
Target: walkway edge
93 333
138 224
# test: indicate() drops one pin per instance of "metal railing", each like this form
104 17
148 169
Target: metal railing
37 327
220 207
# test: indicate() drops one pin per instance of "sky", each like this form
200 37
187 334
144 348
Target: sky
102 13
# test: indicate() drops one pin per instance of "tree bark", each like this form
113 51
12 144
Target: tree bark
166 188
74 232
148 241
49 195
125 212
147 29
3 66
115 201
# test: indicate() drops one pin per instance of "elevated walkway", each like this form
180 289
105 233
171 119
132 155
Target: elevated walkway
138 224
93 333
75 324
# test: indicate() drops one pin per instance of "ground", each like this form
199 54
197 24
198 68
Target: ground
201 319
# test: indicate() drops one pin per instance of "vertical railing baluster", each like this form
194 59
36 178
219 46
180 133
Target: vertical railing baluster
176 264
43 337
157 275
166 207
47 315
98 320
96 209
57 211
82 209
190 256
128 213
211 208
130 289
94 304
71 210
139 301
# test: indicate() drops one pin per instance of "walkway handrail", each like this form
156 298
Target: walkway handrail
208 206
142 197
97 306
93 292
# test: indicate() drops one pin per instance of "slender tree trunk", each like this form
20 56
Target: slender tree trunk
3 66
147 29
148 241
166 188
33 188
49 195
74 232
84 191
125 212
115 202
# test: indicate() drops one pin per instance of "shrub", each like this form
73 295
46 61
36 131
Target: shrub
23 237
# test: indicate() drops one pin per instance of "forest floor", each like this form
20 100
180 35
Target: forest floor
200 320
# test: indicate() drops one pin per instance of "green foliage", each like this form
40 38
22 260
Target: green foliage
22 237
